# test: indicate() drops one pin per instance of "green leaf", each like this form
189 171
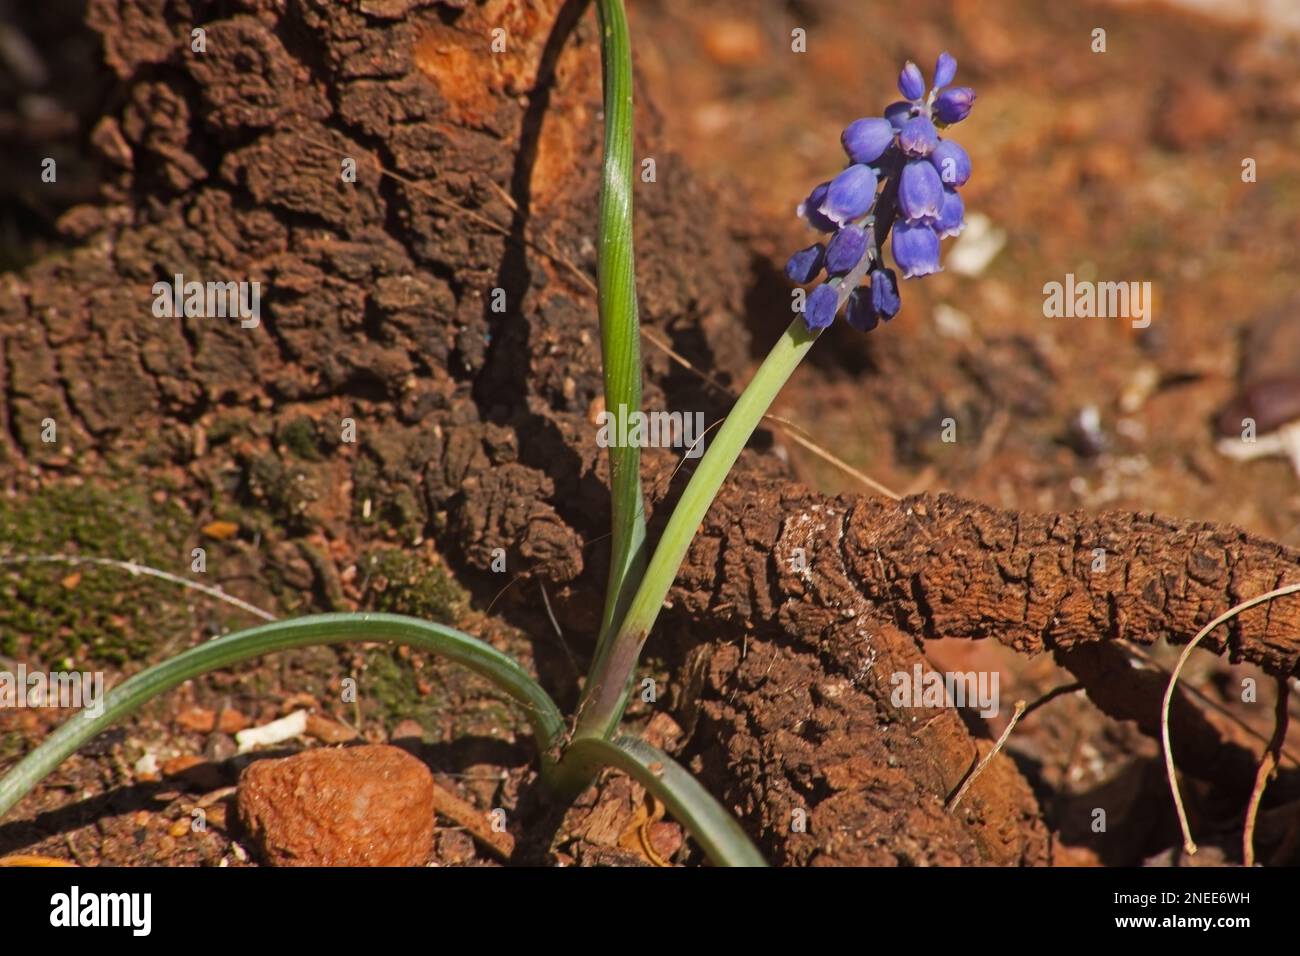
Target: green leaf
620 339
483 658
716 830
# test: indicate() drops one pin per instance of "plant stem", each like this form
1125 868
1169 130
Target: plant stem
605 693
483 658
620 339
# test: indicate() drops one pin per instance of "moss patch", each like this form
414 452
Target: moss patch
50 611
402 583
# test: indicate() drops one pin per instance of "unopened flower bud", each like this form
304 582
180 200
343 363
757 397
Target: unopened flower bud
820 307
845 250
952 162
910 82
954 105
945 68
805 264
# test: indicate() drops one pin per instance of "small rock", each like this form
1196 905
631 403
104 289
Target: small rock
606 856
146 768
389 9
299 701
216 816
358 806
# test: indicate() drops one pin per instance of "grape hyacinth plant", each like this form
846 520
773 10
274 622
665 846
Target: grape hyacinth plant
901 176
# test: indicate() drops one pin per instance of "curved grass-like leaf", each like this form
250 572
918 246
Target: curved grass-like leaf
716 830
483 658
620 337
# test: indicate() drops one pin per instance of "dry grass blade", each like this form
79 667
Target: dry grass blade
988 758
1267 770
1188 843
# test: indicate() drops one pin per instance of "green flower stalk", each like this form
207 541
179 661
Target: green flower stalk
606 692
920 173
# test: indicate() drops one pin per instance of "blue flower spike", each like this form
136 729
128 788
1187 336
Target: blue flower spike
917 206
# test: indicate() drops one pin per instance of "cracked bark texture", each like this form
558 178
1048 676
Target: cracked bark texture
473 425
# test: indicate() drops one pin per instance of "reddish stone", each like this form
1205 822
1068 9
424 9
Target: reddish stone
357 806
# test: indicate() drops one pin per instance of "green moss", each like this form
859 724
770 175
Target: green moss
11 747
390 690
402 583
391 504
299 437
284 493
49 611
404 512
225 426
446 699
